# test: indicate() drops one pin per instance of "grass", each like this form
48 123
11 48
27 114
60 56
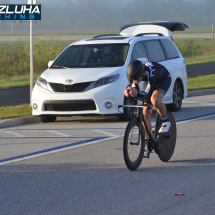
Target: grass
14 57
201 82
201 60
17 81
12 44
15 111
94 33
192 32
55 34
196 51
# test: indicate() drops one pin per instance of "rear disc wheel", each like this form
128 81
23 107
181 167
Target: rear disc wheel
167 140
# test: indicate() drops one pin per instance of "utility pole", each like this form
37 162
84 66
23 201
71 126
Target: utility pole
212 31
31 53
11 28
31 60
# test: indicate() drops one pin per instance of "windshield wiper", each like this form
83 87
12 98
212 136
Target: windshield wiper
92 66
62 67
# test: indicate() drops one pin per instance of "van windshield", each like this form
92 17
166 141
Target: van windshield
97 55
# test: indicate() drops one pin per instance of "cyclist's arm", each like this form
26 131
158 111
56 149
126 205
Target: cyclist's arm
129 88
142 96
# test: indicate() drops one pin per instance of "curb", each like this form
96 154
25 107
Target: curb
201 92
34 119
19 121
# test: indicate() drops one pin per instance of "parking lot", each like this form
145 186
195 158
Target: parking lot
76 166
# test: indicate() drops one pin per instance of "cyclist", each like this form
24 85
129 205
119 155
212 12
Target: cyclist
159 81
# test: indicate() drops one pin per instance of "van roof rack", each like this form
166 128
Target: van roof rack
105 35
143 34
172 26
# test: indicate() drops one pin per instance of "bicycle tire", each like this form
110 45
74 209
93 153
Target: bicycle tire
167 147
134 163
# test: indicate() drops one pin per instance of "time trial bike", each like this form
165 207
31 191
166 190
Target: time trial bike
134 144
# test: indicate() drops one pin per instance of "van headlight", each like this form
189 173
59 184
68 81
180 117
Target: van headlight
106 80
42 83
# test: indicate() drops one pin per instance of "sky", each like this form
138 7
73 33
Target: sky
97 16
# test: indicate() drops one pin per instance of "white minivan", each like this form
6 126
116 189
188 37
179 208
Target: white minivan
89 76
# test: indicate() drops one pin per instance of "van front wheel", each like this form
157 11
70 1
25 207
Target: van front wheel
48 118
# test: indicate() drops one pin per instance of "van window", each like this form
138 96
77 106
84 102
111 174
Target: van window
93 55
155 51
170 48
139 51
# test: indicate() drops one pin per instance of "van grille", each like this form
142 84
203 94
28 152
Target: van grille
79 87
75 105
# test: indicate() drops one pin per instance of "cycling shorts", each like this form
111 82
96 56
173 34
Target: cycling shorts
164 84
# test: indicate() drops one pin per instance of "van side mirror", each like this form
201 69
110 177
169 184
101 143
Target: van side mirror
50 63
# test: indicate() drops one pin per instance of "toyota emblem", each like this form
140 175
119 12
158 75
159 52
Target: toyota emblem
69 81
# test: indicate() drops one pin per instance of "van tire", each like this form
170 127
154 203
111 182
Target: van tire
177 98
48 118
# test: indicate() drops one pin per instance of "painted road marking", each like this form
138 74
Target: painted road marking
14 133
59 129
195 118
54 150
41 137
59 133
83 143
106 133
200 103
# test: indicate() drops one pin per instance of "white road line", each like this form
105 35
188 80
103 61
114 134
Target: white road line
59 133
107 133
190 120
58 150
200 103
14 133
85 144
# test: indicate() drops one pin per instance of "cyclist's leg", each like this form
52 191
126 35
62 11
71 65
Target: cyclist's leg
156 100
147 112
158 94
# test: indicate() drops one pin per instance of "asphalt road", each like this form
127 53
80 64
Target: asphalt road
15 96
85 173
21 95
200 70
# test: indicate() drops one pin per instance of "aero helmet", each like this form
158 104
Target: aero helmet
135 69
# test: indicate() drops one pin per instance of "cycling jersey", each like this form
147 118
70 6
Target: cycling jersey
158 78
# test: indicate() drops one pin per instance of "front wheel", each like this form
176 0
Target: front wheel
48 118
132 148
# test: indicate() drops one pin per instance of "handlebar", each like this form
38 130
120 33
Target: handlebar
135 106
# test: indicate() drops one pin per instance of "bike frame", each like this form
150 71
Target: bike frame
142 119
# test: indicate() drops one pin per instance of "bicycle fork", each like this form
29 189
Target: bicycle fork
152 139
